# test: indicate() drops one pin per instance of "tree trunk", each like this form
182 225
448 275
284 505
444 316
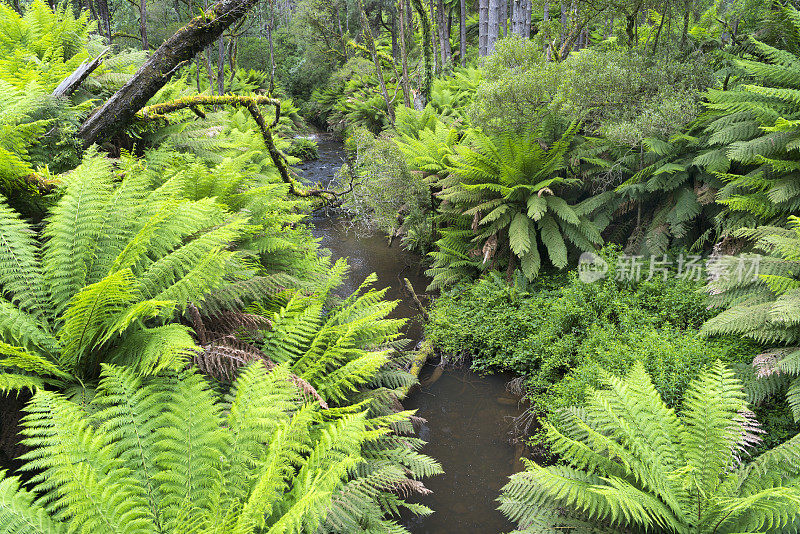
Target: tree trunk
504 17
105 18
143 24
435 28
563 22
427 44
341 33
271 54
118 111
686 15
493 23
444 37
526 22
404 55
374 53
483 26
462 21
660 27
221 66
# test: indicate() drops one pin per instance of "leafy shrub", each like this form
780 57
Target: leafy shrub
561 332
303 149
387 195
617 92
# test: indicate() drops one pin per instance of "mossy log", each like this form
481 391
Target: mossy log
119 110
417 363
251 103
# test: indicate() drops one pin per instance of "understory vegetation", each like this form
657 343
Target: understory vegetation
604 196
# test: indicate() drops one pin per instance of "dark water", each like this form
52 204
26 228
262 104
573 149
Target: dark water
467 416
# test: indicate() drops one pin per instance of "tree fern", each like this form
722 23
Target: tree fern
164 454
755 126
631 463
511 193
112 267
764 308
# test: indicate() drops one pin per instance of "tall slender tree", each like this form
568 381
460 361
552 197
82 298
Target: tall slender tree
493 25
404 55
143 24
483 26
462 29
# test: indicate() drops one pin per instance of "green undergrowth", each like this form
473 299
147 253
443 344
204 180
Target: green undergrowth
559 333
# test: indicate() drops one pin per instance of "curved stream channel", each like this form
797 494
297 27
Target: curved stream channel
467 415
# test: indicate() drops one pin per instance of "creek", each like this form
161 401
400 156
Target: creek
468 416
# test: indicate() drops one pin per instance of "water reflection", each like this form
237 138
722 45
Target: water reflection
467 416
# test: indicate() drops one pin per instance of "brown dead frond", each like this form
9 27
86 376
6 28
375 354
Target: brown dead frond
408 487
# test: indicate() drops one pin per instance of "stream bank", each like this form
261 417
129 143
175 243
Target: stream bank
468 416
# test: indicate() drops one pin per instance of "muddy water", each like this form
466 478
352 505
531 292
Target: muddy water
467 416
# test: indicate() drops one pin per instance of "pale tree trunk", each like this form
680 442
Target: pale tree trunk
404 55
526 23
143 24
504 17
516 27
436 56
483 26
521 18
444 38
493 23
221 66
563 22
271 54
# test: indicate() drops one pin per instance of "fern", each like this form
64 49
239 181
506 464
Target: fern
503 199
164 454
755 126
764 308
631 463
103 279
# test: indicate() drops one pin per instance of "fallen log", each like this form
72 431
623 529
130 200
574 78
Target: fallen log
119 110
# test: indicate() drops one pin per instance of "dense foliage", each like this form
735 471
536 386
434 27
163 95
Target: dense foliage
166 454
561 333
180 342
634 463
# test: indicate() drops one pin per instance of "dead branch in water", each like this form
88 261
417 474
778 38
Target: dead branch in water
417 303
